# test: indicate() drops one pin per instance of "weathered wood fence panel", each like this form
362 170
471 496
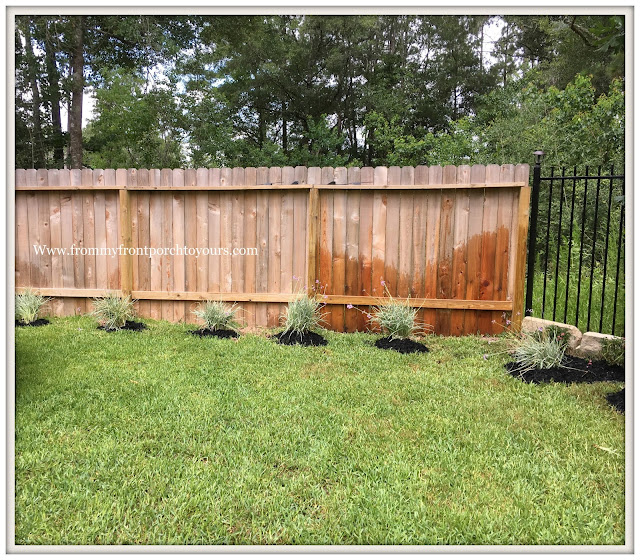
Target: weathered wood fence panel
451 238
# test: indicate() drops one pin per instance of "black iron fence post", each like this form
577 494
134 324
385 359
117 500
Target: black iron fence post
533 231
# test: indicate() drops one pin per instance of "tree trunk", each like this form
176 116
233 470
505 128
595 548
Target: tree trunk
38 147
284 129
260 129
54 99
77 91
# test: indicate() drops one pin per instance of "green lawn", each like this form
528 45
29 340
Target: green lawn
161 437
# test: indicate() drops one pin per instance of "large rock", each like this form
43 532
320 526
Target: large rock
532 324
591 344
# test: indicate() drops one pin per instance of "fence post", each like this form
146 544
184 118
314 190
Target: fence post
533 231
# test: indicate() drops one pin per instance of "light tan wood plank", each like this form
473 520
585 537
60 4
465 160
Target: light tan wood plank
250 240
183 234
156 219
275 245
143 240
166 178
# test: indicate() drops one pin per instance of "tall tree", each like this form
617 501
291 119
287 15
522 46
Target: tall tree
77 92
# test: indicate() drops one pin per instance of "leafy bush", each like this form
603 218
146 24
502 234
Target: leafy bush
217 315
558 334
302 314
613 351
113 311
539 350
28 306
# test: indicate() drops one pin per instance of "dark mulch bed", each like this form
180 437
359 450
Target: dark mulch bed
402 345
306 339
580 372
128 326
36 323
616 400
219 333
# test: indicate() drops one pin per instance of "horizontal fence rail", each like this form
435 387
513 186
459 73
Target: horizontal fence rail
451 241
576 262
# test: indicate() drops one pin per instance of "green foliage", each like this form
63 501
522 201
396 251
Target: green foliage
320 90
395 317
28 306
455 147
538 350
133 127
303 314
559 335
113 311
572 126
217 315
613 351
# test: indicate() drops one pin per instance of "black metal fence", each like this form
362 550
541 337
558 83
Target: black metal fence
575 270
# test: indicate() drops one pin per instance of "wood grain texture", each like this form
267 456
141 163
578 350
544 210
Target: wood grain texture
449 237
445 249
44 231
434 204
143 240
405 229
22 258
55 227
460 248
474 248
250 240
503 234
352 279
277 297
419 231
488 259
521 257
262 239
392 234
126 259
166 178
275 246
156 218
365 244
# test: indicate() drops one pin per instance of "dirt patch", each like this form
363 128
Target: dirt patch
219 333
616 400
402 345
128 326
573 370
36 323
304 339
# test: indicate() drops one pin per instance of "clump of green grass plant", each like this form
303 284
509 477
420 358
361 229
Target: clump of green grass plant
28 306
396 317
538 352
113 311
613 351
303 314
217 315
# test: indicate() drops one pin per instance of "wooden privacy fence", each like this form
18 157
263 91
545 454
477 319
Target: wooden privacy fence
453 239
